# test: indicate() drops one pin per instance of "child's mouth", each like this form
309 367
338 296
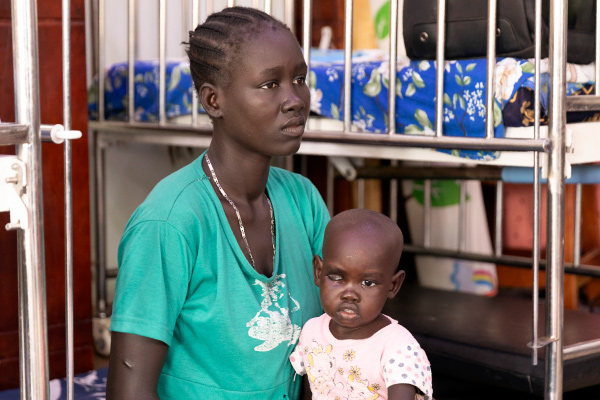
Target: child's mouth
348 313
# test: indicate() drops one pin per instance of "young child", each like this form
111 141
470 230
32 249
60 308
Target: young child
353 351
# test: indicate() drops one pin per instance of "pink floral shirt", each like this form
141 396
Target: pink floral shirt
360 369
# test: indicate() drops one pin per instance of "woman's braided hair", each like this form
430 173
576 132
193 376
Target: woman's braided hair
215 44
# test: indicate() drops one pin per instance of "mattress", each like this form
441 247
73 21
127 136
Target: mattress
464 97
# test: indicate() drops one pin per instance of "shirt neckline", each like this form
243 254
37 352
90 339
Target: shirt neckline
206 180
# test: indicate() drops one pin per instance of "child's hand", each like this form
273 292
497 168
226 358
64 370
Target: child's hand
401 392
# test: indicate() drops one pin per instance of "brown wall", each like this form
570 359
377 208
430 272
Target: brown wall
50 56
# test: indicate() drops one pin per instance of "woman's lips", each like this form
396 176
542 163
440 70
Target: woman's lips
294 127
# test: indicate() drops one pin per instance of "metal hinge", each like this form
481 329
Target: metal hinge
13 180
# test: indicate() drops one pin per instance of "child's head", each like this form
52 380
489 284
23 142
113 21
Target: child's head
215 46
359 270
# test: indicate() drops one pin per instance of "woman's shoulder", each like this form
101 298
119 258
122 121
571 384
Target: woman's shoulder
173 194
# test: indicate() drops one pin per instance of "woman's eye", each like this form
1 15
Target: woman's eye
270 85
300 81
368 283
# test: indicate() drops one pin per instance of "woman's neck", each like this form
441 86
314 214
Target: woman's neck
243 175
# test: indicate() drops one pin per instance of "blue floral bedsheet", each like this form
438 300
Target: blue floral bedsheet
464 97
87 386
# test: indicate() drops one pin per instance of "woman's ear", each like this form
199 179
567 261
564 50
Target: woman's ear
397 280
210 100
317 268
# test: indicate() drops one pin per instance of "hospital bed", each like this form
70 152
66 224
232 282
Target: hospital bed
415 117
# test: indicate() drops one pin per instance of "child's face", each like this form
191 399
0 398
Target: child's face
266 104
355 278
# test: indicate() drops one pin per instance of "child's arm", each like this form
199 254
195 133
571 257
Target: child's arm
402 391
306 394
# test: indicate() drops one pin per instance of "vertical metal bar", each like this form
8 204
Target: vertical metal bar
101 228
33 349
162 65
536 185
498 222
303 165
101 57
394 195
66 59
556 200
230 3
577 227
491 68
440 65
131 35
360 188
536 254
330 186
427 213
597 65
462 216
306 32
348 21
195 19
289 15
392 67
268 7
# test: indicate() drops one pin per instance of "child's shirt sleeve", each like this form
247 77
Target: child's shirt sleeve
405 362
297 358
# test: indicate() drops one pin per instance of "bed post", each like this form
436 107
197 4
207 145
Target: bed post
556 202
33 337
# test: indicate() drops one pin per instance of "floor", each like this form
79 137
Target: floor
450 388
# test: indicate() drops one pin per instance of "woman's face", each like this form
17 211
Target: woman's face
266 104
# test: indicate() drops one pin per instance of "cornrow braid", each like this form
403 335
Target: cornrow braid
215 44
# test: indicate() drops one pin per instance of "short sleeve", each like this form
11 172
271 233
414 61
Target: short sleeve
320 219
297 357
155 264
408 364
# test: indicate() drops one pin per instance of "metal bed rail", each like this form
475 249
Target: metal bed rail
21 196
555 146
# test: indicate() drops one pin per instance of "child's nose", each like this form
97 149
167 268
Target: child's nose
350 294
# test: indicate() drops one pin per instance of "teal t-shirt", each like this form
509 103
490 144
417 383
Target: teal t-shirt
184 280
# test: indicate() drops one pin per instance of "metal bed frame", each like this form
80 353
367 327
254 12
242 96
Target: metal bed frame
22 173
348 143
21 195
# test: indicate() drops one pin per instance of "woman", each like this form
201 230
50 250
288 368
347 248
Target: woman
215 273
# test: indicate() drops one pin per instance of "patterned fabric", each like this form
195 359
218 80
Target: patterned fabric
87 386
464 97
353 369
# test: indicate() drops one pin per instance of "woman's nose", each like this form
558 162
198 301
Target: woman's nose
293 101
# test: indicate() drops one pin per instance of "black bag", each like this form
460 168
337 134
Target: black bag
466 29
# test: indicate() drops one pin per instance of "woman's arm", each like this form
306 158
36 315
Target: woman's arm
401 391
134 366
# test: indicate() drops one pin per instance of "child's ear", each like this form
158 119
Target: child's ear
209 100
397 280
317 268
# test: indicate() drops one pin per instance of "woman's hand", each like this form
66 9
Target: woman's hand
134 366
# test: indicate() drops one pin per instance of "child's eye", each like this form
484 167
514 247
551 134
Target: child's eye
368 283
300 80
334 278
270 85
